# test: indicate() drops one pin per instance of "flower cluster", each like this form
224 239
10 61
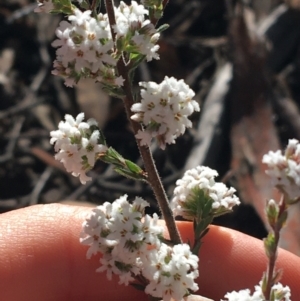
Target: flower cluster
278 291
118 232
203 179
172 272
138 35
130 244
284 169
76 144
86 48
164 110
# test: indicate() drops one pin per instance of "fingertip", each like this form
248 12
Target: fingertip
231 260
41 259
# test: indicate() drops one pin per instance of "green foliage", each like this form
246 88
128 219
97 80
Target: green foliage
123 166
270 245
113 90
63 6
272 212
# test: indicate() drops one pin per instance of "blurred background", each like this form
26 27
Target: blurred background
242 58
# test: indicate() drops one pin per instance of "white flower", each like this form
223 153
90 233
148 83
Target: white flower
123 234
202 178
242 295
119 81
77 145
284 169
69 156
146 44
90 147
130 244
80 18
144 137
164 110
84 46
128 16
171 272
223 197
139 35
279 292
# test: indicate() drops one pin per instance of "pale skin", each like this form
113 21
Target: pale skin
41 259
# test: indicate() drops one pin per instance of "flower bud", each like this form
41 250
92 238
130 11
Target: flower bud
272 211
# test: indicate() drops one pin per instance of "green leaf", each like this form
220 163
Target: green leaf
98 5
123 166
102 139
113 157
282 219
264 282
196 248
85 5
120 45
63 6
198 205
207 206
277 275
162 27
113 90
128 174
135 60
204 233
133 167
270 245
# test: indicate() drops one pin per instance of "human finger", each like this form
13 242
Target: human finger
41 259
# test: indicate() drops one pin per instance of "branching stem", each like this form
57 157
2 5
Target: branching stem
153 177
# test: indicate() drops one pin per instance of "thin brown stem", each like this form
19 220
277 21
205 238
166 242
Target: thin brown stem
153 177
93 5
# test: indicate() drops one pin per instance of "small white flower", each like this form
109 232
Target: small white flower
242 295
139 35
69 156
130 245
108 265
144 137
84 47
280 293
90 147
128 17
125 278
119 81
123 234
146 45
164 110
77 145
80 18
202 178
284 169
171 272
